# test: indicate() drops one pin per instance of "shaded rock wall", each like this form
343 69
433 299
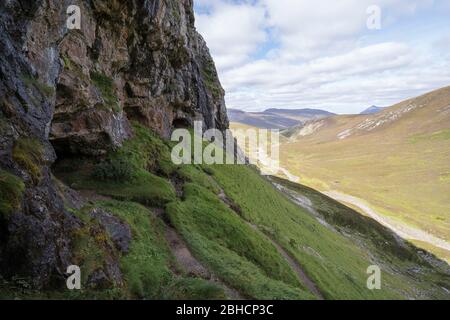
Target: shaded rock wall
74 92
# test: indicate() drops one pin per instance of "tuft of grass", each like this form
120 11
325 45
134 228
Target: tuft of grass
112 170
198 176
67 62
147 151
106 87
31 81
194 289
211 80
12 188
72 66
28 154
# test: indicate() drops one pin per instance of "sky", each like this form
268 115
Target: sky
322 54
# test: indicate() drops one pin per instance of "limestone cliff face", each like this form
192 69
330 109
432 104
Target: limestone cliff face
74 92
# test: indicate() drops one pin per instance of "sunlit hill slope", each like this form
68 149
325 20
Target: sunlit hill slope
397 160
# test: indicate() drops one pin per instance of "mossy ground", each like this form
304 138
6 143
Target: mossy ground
12 188
144 154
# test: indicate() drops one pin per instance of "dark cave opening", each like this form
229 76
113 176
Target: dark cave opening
181 123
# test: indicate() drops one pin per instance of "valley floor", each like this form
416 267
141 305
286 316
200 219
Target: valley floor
401 229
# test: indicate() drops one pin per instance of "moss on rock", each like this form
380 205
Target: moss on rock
11 191
28 154
106 87
31 81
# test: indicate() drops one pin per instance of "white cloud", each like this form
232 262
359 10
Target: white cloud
320 53
233 32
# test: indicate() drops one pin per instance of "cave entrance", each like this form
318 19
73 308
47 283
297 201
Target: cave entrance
181 123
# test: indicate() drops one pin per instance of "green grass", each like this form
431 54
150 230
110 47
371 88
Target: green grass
335 263
143 154
12 188
91 247
106 87
31 81
211 80
196 175
28 153
345 218
439 135
241 256
113 170
194 289
147 268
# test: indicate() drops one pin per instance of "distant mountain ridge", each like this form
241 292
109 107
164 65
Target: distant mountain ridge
306 111
277 118
372 110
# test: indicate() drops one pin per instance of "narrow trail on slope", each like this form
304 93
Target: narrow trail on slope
402 230
183 254
291 261
177 246
192 266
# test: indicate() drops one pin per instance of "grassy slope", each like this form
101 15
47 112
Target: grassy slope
243 258
400 179
240 256
378 241
149 269
336 263
402 169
